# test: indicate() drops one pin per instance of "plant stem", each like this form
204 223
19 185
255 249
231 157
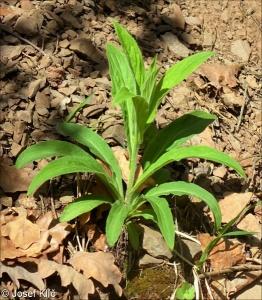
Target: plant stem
132 172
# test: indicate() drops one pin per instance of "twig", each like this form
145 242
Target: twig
242 109
2 27
246 267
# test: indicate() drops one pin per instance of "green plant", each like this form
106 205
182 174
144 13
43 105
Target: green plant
185 292
138 92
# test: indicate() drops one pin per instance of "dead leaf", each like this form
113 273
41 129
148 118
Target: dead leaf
121 156
221 75
233 204
18 272
225 254
13 180
251 223
98 265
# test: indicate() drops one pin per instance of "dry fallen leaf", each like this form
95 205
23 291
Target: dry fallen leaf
18 272
31 240
225 254
13 180
219 74
98 265
233 204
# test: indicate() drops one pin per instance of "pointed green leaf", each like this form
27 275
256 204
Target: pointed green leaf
82 205
174 76
147 214
193 151
97 146
122 95
48 149
115 221
184 188
133 235
132 52
121 73
67 165
175 134
75 110
141 111
164 219
149 85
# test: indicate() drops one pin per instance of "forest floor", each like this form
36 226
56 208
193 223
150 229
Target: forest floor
52 56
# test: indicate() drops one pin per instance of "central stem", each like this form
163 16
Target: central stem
132 172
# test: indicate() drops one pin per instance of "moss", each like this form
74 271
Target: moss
152 283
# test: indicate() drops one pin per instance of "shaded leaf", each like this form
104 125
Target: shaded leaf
164 219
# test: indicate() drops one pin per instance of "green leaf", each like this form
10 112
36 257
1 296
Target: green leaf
164 219
122 95
185 292
132 52
82 205
75 110
236 233
193 151
97 146
141 111
115 221
121 73
175 134
48 149
184 188
133 235
67 165
149 85
174 76
147 214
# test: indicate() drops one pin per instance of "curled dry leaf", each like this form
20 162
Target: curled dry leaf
100 266
31 240
225 254
219 74
16 272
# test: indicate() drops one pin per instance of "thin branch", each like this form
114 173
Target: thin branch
246 267
4 28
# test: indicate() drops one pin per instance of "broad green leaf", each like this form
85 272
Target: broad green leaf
147 214
164 219
174 76
67 165
82 205
75 110
115 221
121 73
184 188
141 111
48 149
122 95
175 134
133 235
132 52
97 146
193 151
185 292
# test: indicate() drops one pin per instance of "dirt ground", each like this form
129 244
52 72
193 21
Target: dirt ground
52 56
